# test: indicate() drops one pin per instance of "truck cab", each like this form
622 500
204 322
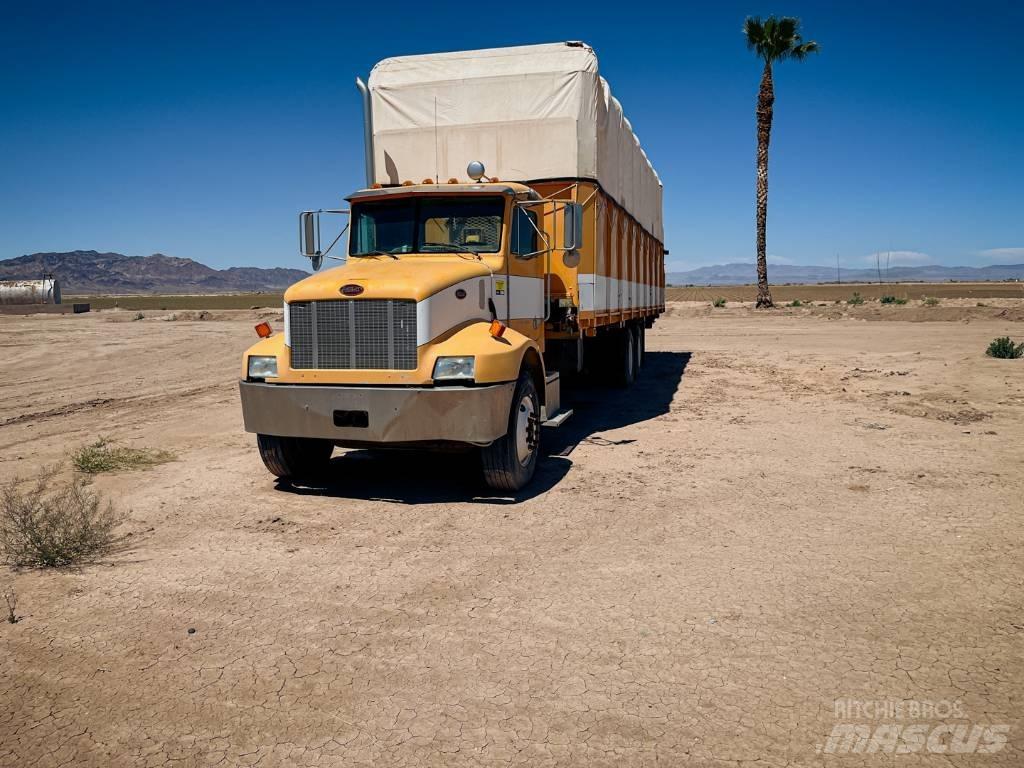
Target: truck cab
430 334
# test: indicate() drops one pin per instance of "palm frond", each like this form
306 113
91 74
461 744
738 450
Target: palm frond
801 52
753 31
777 38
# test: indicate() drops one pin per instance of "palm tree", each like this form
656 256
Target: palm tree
773 39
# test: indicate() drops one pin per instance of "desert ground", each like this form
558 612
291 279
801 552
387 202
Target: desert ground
789 512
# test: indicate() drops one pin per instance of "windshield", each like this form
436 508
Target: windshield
427 225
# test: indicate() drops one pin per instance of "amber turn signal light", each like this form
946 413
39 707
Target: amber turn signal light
263 330
497 329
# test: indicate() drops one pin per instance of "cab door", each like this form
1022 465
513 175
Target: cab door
521 295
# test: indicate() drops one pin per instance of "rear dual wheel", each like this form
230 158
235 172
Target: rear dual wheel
626 354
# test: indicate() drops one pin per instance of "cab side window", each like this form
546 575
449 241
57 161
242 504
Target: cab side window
524 235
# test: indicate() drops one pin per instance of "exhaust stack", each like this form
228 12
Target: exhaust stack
367 130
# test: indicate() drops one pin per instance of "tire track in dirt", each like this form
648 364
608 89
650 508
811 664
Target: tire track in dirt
104 403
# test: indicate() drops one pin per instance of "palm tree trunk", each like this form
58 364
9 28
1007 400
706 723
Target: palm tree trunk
765 103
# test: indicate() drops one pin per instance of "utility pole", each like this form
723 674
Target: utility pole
839 274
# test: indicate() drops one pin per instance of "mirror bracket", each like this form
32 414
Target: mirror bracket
310 245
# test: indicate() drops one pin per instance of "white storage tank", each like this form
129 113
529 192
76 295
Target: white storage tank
43 291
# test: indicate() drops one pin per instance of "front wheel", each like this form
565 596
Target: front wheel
510 461
295 458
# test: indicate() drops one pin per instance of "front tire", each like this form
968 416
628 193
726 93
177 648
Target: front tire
510 461
295 458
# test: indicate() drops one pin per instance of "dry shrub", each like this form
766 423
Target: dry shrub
105 456
12 606
53 524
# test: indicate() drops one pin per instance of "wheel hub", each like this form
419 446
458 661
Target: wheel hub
527 430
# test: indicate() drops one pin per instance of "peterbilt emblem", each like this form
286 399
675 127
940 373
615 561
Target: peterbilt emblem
351 289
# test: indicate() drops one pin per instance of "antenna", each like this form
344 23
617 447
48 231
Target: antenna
839 275
878 265
437 174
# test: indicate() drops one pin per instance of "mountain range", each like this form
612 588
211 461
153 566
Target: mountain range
741 274
85 272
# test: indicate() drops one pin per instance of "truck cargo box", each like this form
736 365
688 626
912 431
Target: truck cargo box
528 113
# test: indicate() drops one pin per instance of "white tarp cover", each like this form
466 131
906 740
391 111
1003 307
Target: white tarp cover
528 113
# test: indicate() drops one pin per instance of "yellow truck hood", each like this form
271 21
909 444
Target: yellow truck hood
381 277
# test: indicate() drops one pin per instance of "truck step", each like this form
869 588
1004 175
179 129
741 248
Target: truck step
558 419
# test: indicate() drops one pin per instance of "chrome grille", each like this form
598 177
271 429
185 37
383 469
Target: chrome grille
353 334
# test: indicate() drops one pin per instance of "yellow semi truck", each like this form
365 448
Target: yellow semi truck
466 291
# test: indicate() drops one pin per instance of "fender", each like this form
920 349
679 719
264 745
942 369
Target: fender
497 359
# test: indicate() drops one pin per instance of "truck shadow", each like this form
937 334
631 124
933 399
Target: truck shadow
599 409
419 477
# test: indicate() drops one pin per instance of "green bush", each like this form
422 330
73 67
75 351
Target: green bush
719 302
795 303
892 300
64 526
1004 348
104 456
855 299
931 301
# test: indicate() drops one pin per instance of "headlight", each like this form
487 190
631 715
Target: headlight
454 368
261 367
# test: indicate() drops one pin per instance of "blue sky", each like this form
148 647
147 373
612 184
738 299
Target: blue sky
200 129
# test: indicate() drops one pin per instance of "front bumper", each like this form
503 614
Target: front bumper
391 414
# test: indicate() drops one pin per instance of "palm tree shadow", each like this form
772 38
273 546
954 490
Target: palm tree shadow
429 477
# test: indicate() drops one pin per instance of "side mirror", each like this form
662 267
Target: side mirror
572 226
309 237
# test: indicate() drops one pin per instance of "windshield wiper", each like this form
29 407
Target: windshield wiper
456 246
376 253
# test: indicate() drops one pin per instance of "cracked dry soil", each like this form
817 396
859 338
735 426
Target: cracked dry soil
786 511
